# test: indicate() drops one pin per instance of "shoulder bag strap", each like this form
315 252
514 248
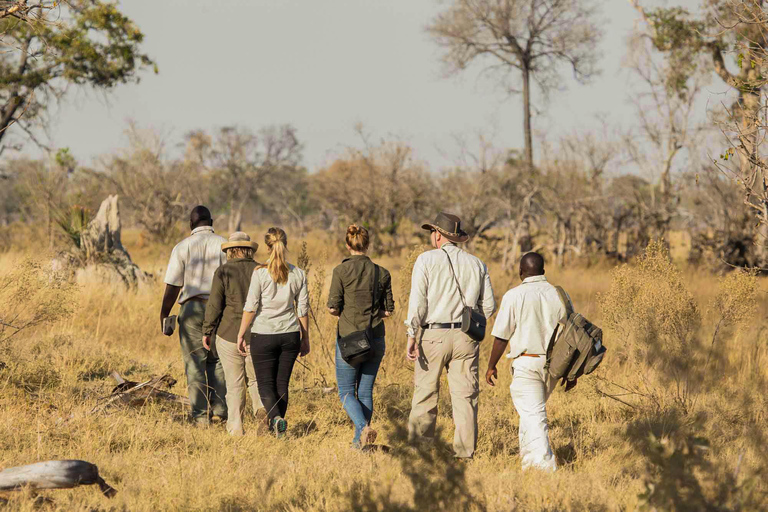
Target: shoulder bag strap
564 299
373 293
455 278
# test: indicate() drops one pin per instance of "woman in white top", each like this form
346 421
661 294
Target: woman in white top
277 306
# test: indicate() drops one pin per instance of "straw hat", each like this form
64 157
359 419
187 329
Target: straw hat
239 239
449 226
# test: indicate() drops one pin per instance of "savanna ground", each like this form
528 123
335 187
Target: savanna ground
675 419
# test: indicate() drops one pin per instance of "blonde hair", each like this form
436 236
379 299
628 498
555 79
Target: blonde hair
239 253
357 238
277 243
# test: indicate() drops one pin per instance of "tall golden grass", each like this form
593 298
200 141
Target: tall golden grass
675 419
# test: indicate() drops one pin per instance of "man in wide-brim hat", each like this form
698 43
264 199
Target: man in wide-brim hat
435 338
449 226
223 314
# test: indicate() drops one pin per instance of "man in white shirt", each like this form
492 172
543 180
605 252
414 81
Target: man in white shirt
434 311
527 318
189 276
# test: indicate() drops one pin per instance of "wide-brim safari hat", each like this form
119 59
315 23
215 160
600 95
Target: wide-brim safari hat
449 226
239 239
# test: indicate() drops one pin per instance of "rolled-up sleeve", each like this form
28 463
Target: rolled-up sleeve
417 301
215 306
485 300
302 303
174 275
505 324
336 295
253 299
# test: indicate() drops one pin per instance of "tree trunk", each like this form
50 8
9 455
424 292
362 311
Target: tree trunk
527 117
235 220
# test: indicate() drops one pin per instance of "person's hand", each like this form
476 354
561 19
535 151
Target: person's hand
241 345
412 350
387 314
207 342
490 375
304 349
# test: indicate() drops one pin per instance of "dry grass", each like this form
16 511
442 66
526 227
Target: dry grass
613 456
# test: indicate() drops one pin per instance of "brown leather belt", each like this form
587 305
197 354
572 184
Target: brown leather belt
530 355
196 299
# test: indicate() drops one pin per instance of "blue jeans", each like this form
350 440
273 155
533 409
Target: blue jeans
356 387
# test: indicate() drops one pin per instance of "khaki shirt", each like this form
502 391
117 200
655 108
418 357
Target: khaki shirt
278 307
528 316
351 294
434 296
227 300
193 262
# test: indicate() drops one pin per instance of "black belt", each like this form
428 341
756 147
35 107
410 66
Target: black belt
456 325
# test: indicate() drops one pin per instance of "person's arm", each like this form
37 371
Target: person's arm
503 329
302 311
174 282
252 303
387 301
336 295
245 325
304 324
486 301
214 308
499 346
417 307
169 299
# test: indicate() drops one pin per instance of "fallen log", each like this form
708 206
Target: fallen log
54 474
137 393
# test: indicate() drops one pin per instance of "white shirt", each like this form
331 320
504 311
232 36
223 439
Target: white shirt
278 307
434 295
194 261
528 316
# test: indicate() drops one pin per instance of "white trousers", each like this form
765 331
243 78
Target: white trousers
530 388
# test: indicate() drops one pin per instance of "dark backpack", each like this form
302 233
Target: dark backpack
576 347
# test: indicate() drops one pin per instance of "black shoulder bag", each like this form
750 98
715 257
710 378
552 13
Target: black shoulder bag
472 322
356 348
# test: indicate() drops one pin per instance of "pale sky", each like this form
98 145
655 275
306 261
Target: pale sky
324 66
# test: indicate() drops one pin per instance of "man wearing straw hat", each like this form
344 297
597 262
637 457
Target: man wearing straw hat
444 280
189 275
223 314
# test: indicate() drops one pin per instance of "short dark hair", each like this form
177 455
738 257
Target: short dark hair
532 264
200 216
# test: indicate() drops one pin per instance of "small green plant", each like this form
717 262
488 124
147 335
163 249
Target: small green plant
73 222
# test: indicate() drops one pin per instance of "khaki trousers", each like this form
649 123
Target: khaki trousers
455 351
238 373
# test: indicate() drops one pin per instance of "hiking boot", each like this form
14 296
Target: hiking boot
368 436
217 420
279 426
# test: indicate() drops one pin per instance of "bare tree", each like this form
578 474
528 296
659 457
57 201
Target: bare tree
529 39
244 163
739 27
665 106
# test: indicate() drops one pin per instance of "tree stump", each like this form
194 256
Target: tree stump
102 259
